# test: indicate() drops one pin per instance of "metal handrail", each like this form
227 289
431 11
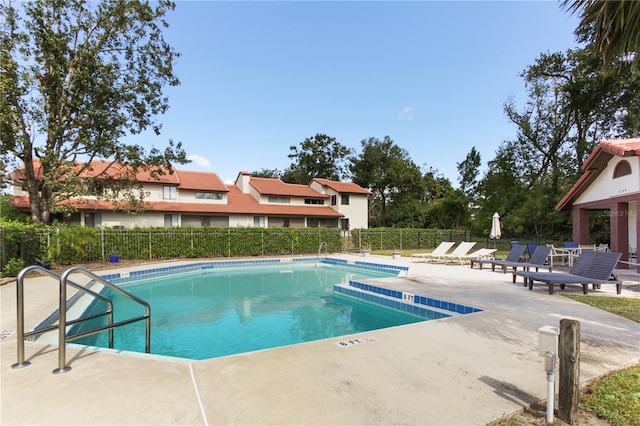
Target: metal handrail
62 315
319 250
20 311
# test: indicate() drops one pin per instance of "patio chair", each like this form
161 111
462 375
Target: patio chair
586 247
462 249
531 247
483 253
592 267
602 247
437 252
514 255
570 244
560 253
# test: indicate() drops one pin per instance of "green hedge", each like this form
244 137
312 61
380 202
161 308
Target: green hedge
20 241
76 244
404 238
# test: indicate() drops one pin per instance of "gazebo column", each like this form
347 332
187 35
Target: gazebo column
619 224
637 216
580 225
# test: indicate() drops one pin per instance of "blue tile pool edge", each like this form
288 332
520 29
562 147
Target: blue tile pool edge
403 301
124 277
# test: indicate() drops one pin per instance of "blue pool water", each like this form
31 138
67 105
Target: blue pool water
216 312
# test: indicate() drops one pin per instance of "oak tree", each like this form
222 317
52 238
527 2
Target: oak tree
77 77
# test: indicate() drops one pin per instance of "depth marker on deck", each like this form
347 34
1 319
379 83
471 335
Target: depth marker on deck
351 342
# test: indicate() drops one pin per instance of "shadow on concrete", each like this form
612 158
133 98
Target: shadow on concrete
510 392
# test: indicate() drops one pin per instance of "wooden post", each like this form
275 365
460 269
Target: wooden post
569 382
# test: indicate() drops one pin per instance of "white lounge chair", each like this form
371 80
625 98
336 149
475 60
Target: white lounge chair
483 253
443 248
462 249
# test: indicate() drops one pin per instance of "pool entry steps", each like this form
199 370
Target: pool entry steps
422 306
62 322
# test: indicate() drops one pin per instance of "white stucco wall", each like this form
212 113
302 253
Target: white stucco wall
243 220
189 196
132 220
356 211
605 186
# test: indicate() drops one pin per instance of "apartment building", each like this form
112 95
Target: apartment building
191 198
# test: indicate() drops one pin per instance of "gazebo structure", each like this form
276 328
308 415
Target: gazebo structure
610 184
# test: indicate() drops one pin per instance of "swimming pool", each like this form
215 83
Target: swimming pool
224 308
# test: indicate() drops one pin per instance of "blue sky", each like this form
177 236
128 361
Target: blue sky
258 77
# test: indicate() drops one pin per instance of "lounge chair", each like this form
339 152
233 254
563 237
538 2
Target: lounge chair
592 267
538 260
437 252
462 249
483 253
514 255
579 267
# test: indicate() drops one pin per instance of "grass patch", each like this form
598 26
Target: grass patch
625 307
616 397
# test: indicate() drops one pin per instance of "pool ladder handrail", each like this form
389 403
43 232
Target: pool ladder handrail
20 311
62 314
319 250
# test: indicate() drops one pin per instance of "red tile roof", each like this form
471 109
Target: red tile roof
107 169
238 203
266 186
343 187
205 181
596 163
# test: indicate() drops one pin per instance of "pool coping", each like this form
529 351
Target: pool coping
469 369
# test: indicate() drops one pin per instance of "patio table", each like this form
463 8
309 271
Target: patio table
572 253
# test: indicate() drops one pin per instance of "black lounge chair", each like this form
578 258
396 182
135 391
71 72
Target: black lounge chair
514 255
537 261
591 267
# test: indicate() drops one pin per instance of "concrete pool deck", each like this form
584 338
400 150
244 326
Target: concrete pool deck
469 369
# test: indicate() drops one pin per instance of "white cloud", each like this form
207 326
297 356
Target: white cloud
406 113
199 161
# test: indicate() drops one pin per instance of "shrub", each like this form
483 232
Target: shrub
13 266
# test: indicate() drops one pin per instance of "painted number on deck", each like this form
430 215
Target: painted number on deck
352 342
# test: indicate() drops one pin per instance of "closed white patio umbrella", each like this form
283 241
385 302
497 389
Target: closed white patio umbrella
496 232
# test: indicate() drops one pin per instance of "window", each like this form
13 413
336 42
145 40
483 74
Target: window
334 200
96 188
170 220
170 193
344 199
313 201
280 200
209 195
92 220
313 222
623 168
258 221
